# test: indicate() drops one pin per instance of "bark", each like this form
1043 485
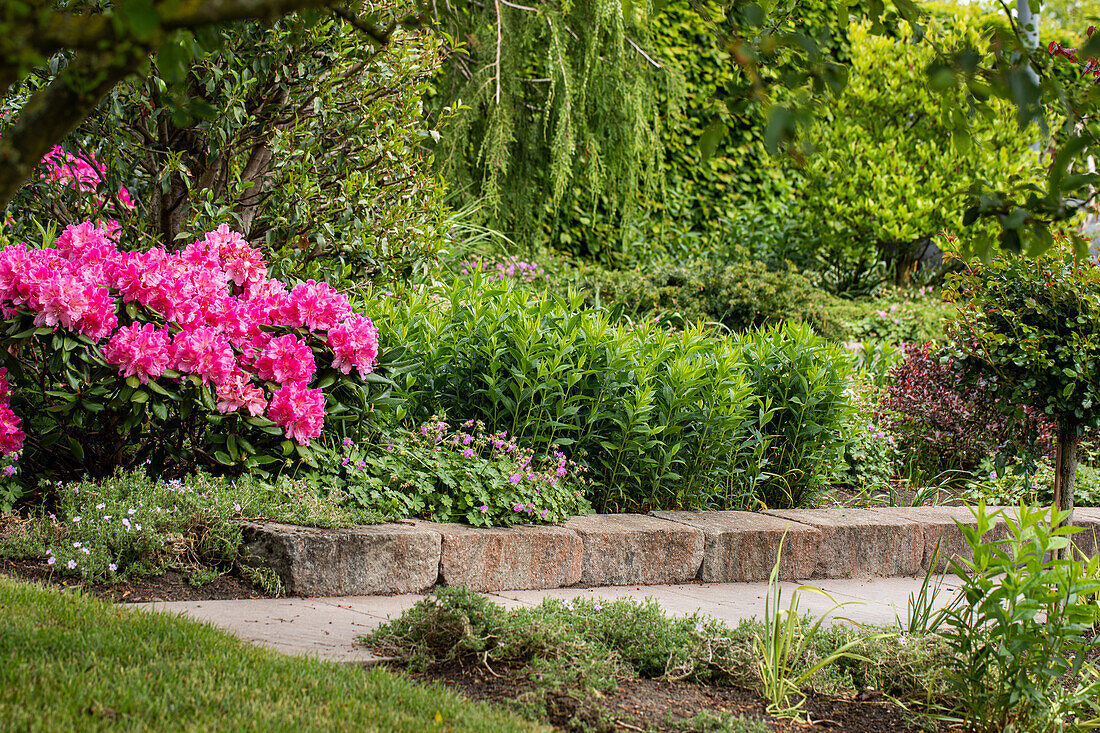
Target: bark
1066 467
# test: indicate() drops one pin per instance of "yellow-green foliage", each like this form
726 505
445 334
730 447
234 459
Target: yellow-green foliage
890 167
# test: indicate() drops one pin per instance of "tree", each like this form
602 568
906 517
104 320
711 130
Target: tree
885 175
1031 330
88 47
302 137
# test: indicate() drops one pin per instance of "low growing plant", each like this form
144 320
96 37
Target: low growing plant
132 525
453 474
784 643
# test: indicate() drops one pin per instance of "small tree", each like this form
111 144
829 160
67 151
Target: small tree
1032 328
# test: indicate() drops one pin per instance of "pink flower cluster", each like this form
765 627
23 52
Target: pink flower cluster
11 437
82 174
202 312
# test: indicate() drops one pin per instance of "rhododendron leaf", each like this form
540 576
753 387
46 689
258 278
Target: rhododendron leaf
133 382
325 382
171 374
91 406
76 448
153 386
159 409
139 397
223 458
286 447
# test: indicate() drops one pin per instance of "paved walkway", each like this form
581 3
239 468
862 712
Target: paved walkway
328 627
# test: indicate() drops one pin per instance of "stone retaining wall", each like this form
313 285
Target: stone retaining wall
618 549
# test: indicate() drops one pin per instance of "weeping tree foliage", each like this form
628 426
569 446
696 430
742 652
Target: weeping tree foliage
552 99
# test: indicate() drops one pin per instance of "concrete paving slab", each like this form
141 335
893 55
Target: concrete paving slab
292 625
329 627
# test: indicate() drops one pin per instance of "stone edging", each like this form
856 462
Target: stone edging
616 549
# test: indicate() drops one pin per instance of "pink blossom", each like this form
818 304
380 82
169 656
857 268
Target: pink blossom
316 306
286 359
354 343
237 391
11 436
298 409
205 352
139 350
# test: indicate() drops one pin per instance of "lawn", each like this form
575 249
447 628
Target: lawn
71 662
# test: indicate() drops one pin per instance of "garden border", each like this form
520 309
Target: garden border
663 547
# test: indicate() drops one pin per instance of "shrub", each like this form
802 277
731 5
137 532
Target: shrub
799 379
117 358
738 296
1029 330
945 423
661 419
456 474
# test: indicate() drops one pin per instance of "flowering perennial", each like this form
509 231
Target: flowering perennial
207 311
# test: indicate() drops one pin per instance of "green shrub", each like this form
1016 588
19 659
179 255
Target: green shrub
799 380
661 418
738 296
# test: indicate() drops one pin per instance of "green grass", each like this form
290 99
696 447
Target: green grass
71 662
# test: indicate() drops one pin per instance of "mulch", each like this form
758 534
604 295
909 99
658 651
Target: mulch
171 586
658 705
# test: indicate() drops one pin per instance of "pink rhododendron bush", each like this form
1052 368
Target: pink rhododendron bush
179 359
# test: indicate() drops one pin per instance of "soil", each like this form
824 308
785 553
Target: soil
172 586
657 705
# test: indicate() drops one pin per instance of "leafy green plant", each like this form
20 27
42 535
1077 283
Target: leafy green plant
1029 329
800 380
922 616
784 641
1023 625
660 418
450 474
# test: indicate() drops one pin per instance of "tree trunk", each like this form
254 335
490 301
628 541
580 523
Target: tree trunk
1065 468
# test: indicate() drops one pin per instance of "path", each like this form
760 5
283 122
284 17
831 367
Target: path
328 627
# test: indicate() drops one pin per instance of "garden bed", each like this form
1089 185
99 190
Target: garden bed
658 705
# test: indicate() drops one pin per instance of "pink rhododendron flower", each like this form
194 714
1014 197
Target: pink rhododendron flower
11 437
315 305
286 359
237 392
139 350
354 344
205 352
300 410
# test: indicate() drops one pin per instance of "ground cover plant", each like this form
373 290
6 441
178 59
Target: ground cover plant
461 473
75 662
571 660
130 525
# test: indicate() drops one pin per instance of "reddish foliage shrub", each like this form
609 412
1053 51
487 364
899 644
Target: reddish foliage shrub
954 419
